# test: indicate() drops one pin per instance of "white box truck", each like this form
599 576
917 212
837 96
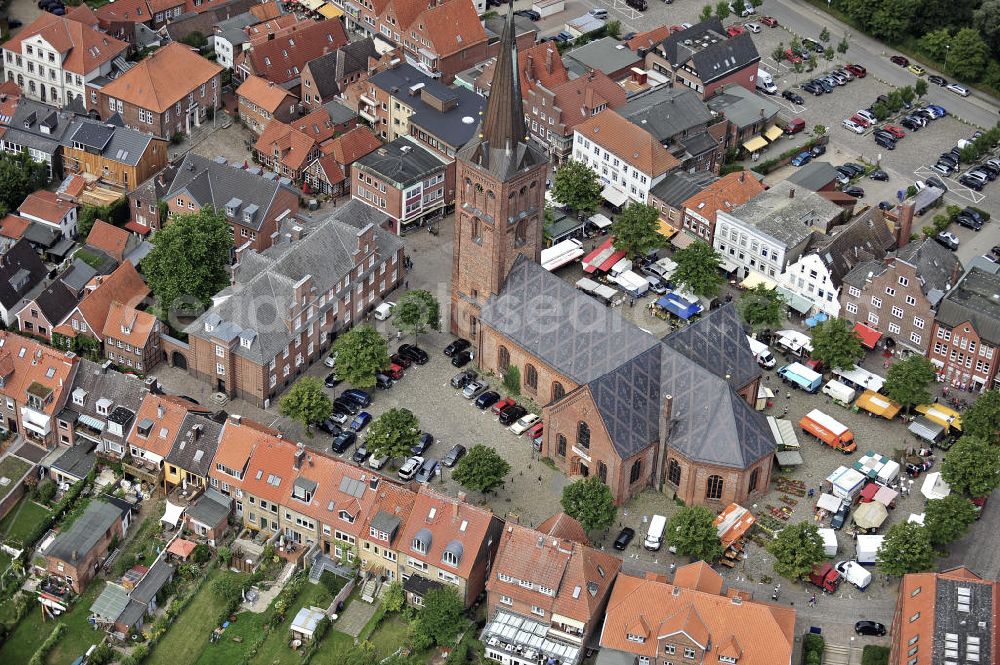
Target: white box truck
854 573
762 353
654 535
765 82
868 547
829 537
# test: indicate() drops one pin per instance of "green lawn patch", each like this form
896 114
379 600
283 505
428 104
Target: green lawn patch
276 650
390 635
32 631
141 546
22 519
13 468
333 646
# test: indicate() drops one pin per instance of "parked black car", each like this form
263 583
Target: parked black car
462 379
346 405
456 346
329 426
971 183
343 441
511 414
358 396
462 358
793 97
414 353
869 628
840 517
938 80
331 380
818 149
530 14
624 538
487 399
400 360
383 381
422 444
879 174
455 454
855 191
968 222
360 454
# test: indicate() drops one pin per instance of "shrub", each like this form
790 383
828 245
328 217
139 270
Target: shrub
48 645
875 655
812 649
201 553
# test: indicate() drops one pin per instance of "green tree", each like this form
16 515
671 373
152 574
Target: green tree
948 519
920 88
357 654
986 19
908 381
636 231
892 19
482 469
691 532
819 130
227 589
762 308
225 554
906 94
779 52
706 13
797 67
417 311
306 402
836 344
189 260
829 53
881 111
576 185
968 55
906 549
842 46
972 467
936 44
589 502
698 269
613 28
361 354
20 175
393 433
811 62
824 35
395 598
196 40
982 419
796 549
512 380
440 620
722 10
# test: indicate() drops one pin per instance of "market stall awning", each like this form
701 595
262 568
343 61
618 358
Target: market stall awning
755 279
682 240
869 492
788 458
727 266
755 144
603 257
665 230
732 523
795 301
614 196
773 133
934 486
870 515
679 306
885 495
828 502
869 337
331 11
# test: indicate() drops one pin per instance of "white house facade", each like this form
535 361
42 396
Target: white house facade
810 278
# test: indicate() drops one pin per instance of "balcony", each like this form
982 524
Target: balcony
364 113
144 470
367 100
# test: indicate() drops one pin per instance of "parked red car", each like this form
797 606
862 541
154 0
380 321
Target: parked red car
899 60
735 30
857 70
395 372
769 21
895 131
501 405
535 431
791 56
861 121
795 126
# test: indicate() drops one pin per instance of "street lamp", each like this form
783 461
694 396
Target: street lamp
850 654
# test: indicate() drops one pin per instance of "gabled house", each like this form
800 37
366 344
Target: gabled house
111 240
47 208
326 77
77 553
669 195
144 202
726 193
379 538
261 101
118 156
21 278
966 332
41 314
101 408
282 58
36 129
190 459
156 428
131 337
285 149
330 173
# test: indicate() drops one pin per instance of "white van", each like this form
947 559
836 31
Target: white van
765 82
839 392
762 353
654 536
384 311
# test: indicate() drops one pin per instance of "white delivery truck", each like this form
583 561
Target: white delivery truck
761 352
765 82
654 535
839 392
854 573
829 537
867 548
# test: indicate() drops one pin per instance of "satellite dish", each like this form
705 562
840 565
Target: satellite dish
900 195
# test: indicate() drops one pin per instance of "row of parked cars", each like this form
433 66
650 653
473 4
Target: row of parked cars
509 413
917 70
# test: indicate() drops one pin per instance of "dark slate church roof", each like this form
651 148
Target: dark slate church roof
717 342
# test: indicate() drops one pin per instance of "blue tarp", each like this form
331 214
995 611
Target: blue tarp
816 319
678 306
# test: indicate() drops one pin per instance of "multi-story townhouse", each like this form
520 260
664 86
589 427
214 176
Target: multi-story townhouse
144 202
253 204
131 338
101 409
280 57
288 148
42 313
626 155
899 295
379 539
170 92
749 118
448 541
330 174
119 156
966 333
313 283
156 427
326 77
552 577
36 129
669 195
49 209
189 461
260 101
726 194
22 276
54 58
404 180
35 383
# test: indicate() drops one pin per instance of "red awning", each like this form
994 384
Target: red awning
602 258
868 493
135 227
869 337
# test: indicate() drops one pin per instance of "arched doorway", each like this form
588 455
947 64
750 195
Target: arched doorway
179 360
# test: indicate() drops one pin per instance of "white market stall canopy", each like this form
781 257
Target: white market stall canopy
934 486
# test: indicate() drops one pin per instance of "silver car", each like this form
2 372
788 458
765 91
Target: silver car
474 388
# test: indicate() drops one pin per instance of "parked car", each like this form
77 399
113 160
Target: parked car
340 417
637 4
473 388
523 423
331 360
395 372
501 405
462 358
535 430
855 191
869 628
958 89
911 123
792 57
530 14
879 174
343 441
938 80
422 444
793 97
769 21
917 70
427 470
886 141
598 12
627 37
463 378
414 353
456 346
899 60
487 399
966 221
510 415
13 23
360 454
331 380
818 149
735 30
383 381
752 27
410 468
456 453
377 462
329 426
840 517
360 397
857 70
397 359
812 87
897 132
624 538
948 239
802 158
657 285
886 205
346 405
361 421
855 169
812 44
973 213
853 126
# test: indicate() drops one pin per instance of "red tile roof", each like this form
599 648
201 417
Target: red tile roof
726 193
108 238
83 49
352 145
316 125
451 26
294 147
264 93
645 40
577 99
271 27
161 80
631 143
167 413
265 11
135 11
45 205
564 527
25 364
13 227
138 324
124 285
282 59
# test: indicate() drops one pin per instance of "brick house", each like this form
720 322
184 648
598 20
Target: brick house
899 295
77 553
144 201
101 408
158 425
254 205
22 276
111 240
380 536
326 77
280 59
46 310
285 149
170 92
539 575
966 332
330 174
131 337
405 181
314 284
189 461
669 195
704 58
726 193
652 622
259 101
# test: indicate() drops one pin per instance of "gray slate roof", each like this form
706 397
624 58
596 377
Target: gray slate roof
151 583
267 280
787 219
386 523
666 112
975 622
211 508
328 69
864 239
132 614
25 128
56 301
717 342
813 176
193 451
338 113
741 106
92 383
976 298
77 460
208 182
936 265
403 162
679 186
78 275
85 533
118 143
711 59
20 271
601 54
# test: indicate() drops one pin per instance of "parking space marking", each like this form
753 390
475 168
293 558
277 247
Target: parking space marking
954 187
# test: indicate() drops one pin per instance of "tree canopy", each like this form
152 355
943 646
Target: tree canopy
393 433
589 502
948 519
762 308
982 419
20 175
835 344
796 549
482 469
576 185
416 311
441 617
189 260
692 533
972 467
908 381
906 549
636 231
698 269
361 354
306 402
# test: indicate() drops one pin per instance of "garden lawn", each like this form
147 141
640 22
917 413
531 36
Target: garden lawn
32 631
275 649
188 637
21 521
141 546
390 635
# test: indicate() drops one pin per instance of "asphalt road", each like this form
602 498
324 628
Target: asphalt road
970 550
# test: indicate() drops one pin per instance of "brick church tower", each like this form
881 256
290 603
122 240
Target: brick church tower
500 196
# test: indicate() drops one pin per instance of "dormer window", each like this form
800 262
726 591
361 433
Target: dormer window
635 638
727 659
422 541
79 396
375 533
346 516
452 554
103 406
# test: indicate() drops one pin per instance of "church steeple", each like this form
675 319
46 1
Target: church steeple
503 124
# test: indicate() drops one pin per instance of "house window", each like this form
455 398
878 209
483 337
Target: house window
852 308
531 377
713 488
602 472
520 233
477 230
583 435
674 472
561 446
506 600
503 359
876 302
918 323
915 338
754 478
557 391
636 471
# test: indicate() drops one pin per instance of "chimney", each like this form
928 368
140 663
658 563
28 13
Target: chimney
791 193
235 418
541 540
904 223
548 60
76 555
159 411
956 270
105 367
743 176
196 431
300 453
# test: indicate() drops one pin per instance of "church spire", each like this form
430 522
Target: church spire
503 124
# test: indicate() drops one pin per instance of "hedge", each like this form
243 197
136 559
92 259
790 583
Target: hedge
812 649
766 167
48 645
875 655
58 512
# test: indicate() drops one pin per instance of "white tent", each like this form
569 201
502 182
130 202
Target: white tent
828 502
172 514
934 486
917 519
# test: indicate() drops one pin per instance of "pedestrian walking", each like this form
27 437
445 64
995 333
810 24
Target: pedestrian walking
399 335
812 601
788 394
406 284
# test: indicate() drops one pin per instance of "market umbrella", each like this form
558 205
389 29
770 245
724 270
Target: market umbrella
870 515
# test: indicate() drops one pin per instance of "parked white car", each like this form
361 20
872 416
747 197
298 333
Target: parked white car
752 27
522 425
331 360
958 89
410 467
853 126
867 116
377 462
